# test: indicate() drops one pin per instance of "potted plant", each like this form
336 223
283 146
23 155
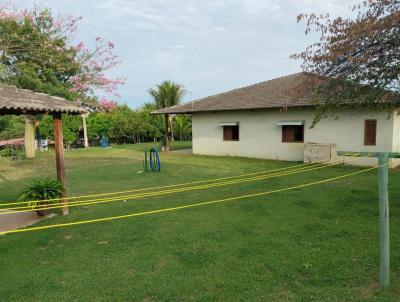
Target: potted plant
41 194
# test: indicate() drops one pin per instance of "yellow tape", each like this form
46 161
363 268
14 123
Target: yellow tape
178 190
186 206
154 188
136 196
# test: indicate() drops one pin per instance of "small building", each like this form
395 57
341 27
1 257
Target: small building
265 121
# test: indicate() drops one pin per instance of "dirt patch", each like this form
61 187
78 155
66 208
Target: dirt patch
369 290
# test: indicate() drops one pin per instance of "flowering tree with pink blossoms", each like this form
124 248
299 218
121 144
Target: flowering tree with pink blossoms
39 51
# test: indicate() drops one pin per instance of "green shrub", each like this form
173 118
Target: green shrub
8 151
42 193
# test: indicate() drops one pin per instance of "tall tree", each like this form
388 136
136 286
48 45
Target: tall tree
183 126
167 94
38 51
359 55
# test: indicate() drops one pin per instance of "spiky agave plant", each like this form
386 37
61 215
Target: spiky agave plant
42 193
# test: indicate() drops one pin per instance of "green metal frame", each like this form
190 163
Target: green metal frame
145 164
383 175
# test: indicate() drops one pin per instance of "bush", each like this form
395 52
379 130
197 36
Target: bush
8 152
42 193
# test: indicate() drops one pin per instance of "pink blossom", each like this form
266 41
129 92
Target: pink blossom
107 105
94 61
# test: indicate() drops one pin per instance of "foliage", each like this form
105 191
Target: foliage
183 126
39 52
8 151
98 124
107 106
127 125
360 54
47 190
11 127
71 127
122 124
167 94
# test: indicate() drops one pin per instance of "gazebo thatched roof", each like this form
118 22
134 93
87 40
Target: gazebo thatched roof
22 101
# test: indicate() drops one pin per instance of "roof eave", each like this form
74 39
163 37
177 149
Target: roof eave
17 111
159 112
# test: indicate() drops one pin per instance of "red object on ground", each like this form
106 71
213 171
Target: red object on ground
12 142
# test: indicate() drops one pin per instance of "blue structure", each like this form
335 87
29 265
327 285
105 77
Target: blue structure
155 163
104 142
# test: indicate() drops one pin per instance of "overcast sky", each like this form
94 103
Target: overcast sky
207 46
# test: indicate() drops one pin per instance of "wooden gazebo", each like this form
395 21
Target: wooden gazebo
14 101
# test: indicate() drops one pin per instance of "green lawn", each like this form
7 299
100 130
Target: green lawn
313 244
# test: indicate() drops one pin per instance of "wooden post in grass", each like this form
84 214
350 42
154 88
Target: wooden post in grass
59 148
384 274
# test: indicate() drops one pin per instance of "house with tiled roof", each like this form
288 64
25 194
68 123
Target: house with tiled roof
272 120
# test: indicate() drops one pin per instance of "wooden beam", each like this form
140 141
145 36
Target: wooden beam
59 148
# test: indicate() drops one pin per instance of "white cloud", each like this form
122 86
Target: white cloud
208 46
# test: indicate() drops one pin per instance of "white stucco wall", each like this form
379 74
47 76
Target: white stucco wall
261 137
396 135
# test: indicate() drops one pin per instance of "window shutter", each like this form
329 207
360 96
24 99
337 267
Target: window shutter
370 132
292 133
231 133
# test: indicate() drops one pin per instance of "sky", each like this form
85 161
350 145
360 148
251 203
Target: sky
208 46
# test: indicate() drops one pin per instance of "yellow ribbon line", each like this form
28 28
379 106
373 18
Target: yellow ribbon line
154 188
135 196
187 206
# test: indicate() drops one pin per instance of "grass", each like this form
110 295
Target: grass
313 244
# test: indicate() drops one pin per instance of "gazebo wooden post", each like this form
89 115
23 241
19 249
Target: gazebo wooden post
166 147
29 140
59 148
85 134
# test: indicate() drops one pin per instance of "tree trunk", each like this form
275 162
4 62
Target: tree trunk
166 146
171 127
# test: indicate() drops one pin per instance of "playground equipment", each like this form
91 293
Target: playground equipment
104 142
154 159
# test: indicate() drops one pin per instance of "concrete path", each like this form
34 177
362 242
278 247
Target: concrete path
18 220
186 151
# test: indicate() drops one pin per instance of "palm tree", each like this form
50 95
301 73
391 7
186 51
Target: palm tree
165 95
183 126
